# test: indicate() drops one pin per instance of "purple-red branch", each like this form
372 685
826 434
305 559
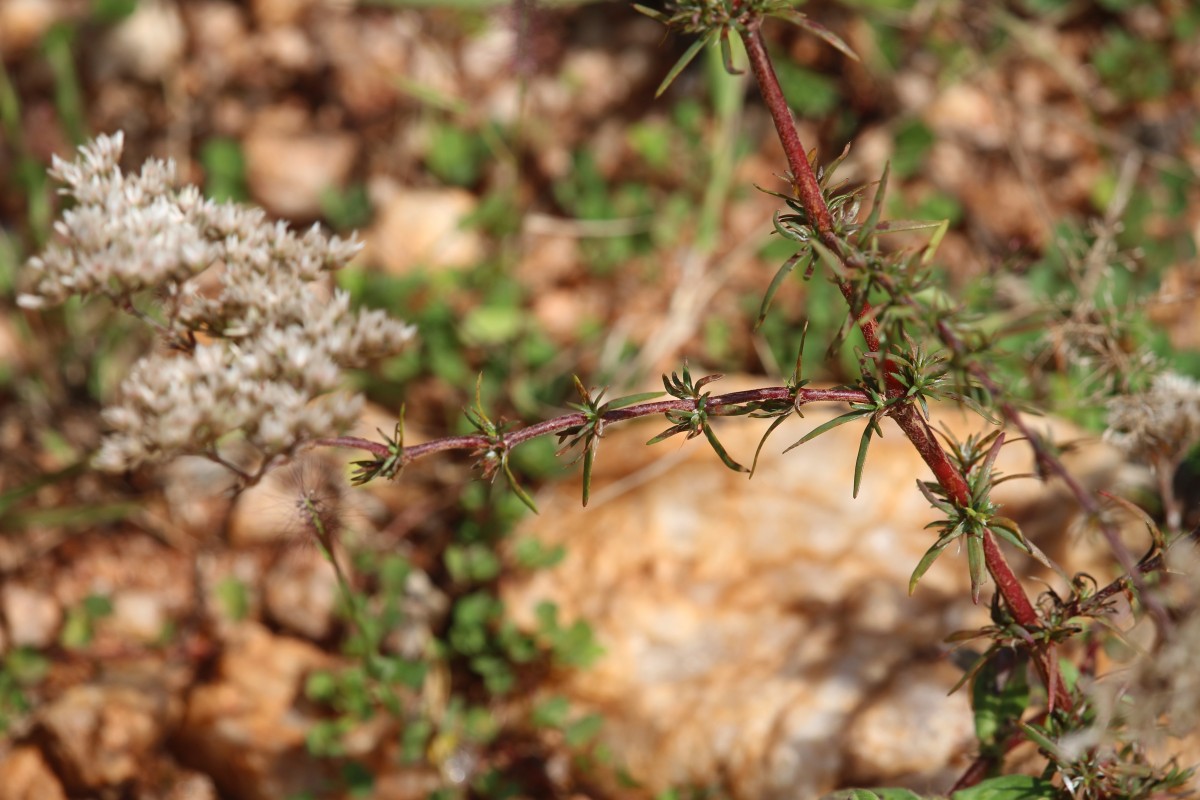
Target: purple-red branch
566 422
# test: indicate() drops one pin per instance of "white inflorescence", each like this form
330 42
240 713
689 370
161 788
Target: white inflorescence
271 344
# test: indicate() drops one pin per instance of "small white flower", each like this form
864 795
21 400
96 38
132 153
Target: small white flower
273 344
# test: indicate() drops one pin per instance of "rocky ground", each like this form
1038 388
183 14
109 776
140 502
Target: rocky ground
529 204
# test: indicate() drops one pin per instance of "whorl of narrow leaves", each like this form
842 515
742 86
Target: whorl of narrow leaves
696 421
587 436
715 20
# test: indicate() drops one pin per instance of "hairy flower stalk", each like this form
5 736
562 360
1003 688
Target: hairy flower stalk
254 343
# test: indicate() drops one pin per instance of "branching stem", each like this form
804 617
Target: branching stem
566 422
809 193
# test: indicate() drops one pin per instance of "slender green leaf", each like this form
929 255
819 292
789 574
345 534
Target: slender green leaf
589 458
771 429
868 228
925 563
863 444
940 505
820 31
727 54
669 432
653 13
516 487
1010 787
629 400
1040 739
976 565
682 63
829 259
785 270
997 706
721 452
828 426
934 241
903 225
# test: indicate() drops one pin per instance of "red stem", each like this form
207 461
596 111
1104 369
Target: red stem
514 437
915 428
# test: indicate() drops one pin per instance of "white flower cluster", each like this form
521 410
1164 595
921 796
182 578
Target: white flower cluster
257 346
1159 426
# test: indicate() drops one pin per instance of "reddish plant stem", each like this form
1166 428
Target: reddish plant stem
914 427
566 422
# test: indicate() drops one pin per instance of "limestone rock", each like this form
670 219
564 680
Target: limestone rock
33 615
25 775
99 736
243 729
424 228
748 624
300 592
288 168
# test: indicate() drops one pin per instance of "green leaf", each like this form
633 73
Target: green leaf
820 31
771 429
976 565
589 459
926 562
828 426
653 13
551 712
584 730
996 709
630 400
872 794
901 225
805 258
669 432
869 227
721 452
682 63
829 259
1010 787
863 444
516 487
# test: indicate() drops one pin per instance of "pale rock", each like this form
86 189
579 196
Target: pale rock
33 616
275 13
289 48
25 775
138 614
425 228
288 168
100 736
747 623
243 728
197 492
967 112
912 729
220 39
300 592
192 786
23 22
148 44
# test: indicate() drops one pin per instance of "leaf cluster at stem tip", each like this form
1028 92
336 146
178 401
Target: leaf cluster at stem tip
715 20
